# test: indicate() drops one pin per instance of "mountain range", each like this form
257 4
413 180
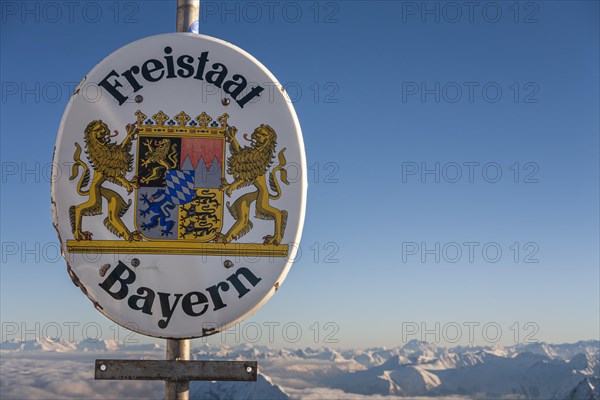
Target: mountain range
524 371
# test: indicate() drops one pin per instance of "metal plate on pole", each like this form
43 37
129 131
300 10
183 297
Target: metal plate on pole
176 370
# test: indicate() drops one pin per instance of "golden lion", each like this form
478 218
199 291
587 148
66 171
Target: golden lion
249 165
110 162
158 153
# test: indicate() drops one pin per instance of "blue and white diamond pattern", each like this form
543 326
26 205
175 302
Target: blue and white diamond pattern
180 186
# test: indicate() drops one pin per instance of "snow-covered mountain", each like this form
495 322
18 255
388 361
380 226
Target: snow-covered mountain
587 389
47 344
529 371
263 388
39 344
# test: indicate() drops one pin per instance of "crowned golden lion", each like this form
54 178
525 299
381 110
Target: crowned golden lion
249 166
160 154
110 162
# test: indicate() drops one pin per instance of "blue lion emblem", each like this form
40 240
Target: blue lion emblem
158 204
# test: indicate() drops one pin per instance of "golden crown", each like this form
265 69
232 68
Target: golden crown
181 123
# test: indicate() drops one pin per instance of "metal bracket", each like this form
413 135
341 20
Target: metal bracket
178 371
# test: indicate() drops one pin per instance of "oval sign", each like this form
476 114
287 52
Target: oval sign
184 200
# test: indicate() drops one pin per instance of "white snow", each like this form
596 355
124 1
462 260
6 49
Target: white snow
36 368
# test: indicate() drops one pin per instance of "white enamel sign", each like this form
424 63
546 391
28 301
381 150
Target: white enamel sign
182 192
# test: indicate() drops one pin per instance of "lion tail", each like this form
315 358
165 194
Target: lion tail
85 178
273 182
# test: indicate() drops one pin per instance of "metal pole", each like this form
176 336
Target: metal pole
188 11
177 349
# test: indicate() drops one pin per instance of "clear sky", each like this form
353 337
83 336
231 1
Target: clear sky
453 153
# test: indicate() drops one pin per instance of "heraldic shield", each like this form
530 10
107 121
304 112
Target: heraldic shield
180 168
176 198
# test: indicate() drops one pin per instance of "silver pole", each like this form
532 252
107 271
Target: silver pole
188 11
177 349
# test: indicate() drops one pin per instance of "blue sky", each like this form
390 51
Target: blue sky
385 91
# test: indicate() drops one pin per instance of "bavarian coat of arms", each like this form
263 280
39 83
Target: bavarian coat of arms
180 182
